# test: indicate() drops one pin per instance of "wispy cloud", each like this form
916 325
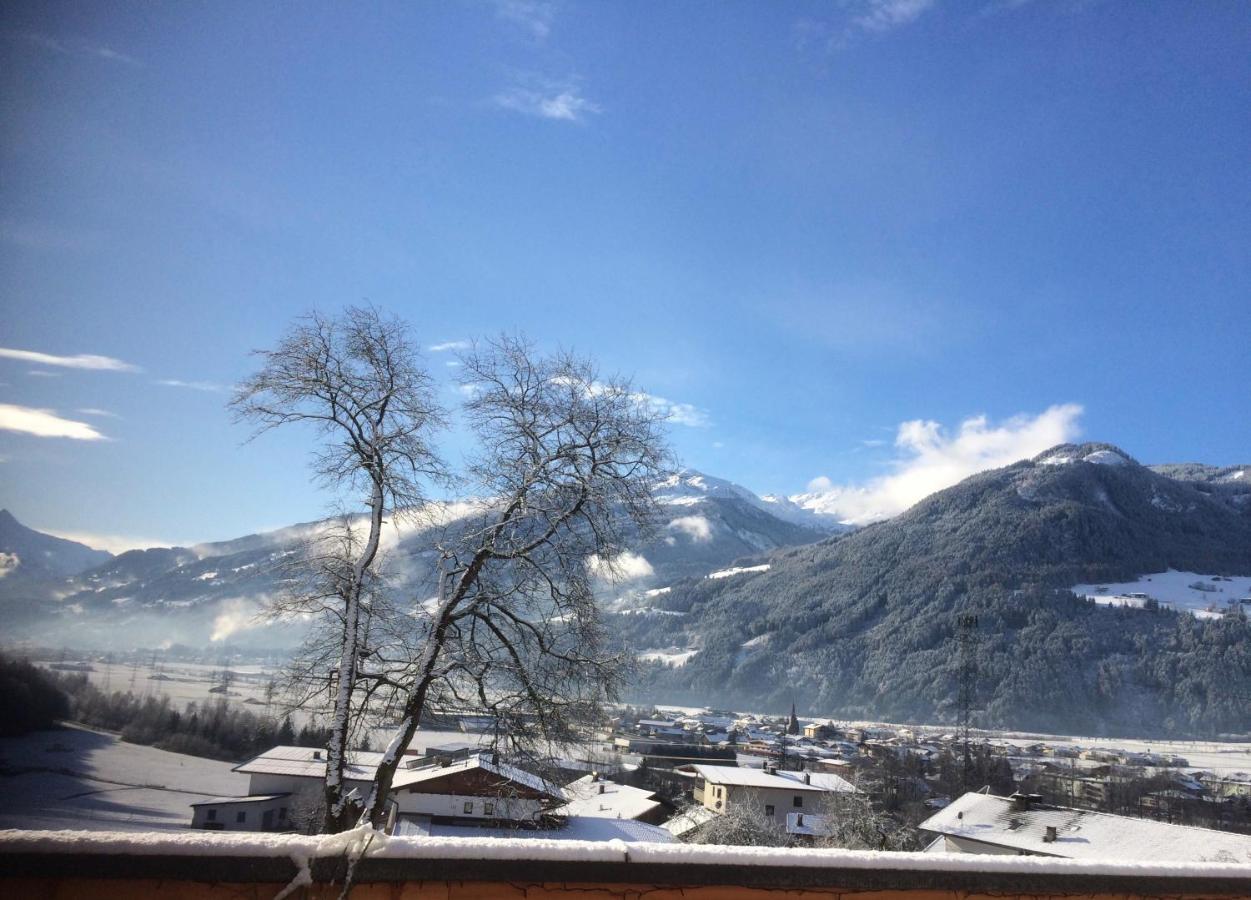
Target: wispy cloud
686 414
45 423
532 17
449 345
80 48
859 17
208 386
43 373
113 543
81 361
929 458
544 98
883 15
103 413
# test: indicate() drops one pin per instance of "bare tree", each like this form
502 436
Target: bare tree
565 465
355 378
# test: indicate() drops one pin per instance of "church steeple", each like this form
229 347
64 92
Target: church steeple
793 726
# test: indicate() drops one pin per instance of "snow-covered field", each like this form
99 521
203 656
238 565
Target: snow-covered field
1207 596
670 657
181 682
89 780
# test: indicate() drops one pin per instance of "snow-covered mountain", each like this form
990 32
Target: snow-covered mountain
864 625
29 554
211 593
690 487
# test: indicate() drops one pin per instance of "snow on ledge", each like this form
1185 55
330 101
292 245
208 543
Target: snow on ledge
300 847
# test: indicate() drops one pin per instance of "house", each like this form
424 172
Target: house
467 786
773 792
281 781
594 795
661 728
1021 825
263 812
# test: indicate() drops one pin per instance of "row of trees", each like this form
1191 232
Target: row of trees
506 625
215 729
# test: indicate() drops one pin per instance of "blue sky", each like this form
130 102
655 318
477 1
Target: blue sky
833 234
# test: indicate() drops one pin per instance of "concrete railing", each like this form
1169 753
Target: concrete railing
104 866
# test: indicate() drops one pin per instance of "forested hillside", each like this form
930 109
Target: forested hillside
864 624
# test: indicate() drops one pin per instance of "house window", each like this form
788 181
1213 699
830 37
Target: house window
212 815
488 809
468 807
799 802
241 816
768 810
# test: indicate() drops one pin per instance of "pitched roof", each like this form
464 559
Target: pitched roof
823 782
429 771
309 762
1082 834
250 798
599 798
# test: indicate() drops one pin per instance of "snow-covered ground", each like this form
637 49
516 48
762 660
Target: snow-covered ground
672 656
89 780
1207 596
738 570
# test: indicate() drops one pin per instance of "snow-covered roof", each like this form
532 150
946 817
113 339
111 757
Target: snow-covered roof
598 797
575 828
308 762
1082 834
429 771
688 820
824 782
250 798
807 824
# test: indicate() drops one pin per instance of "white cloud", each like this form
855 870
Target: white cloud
81 361
930 459
532 17
449 345
79 47
45 423
697 528
92 411
113 543
547 99
208 386
236 615
677 413
883 15
625 567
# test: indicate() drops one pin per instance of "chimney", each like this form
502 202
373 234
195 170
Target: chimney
807 778
316 754
601 787
1020 802
1050 836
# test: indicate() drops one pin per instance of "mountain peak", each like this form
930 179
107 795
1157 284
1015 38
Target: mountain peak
1093 452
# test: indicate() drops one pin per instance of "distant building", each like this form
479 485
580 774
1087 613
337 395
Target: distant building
1020 825
772 792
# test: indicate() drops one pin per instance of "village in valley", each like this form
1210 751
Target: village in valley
657 775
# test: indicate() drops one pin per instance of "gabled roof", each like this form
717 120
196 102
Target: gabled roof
820 782
309 762
429 771
250 798
1082 834
599 798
